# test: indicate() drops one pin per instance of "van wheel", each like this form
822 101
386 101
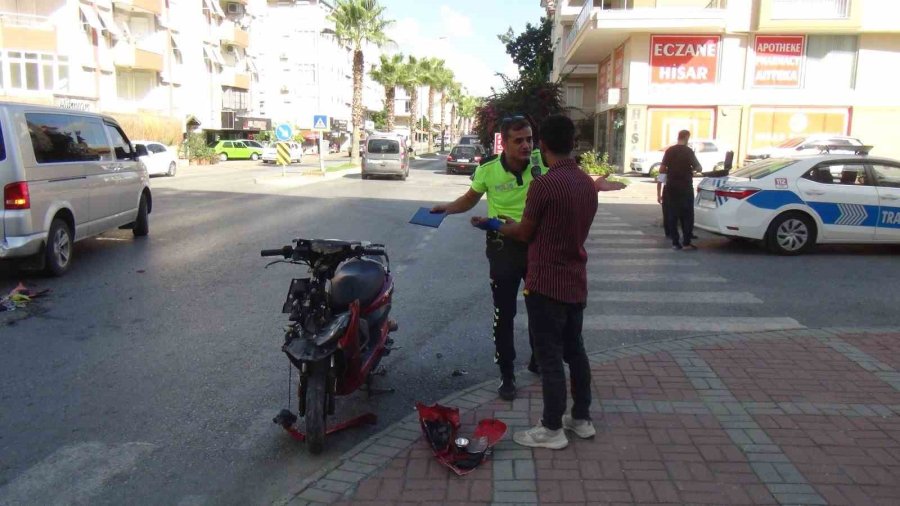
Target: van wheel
254 156
791 234
171 172
58 252
142 223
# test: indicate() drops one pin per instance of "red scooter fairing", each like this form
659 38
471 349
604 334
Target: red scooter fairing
359 364
440 424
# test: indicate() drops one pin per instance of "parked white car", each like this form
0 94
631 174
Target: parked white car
270 154
710 153
159 159
793 203
809 145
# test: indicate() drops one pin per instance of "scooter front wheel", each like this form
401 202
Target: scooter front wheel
316 408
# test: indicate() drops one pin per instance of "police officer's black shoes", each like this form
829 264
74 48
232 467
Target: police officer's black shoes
533 367
507 388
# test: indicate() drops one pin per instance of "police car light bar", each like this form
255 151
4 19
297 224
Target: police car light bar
857 150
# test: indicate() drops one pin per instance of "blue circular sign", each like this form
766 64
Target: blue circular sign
284 132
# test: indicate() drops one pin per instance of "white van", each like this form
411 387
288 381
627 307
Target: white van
66 176
386 155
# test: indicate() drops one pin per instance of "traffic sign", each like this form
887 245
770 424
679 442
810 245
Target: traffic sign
284 132
320 122
283 153
498 147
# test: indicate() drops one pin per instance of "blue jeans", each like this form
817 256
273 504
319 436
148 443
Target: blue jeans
556 329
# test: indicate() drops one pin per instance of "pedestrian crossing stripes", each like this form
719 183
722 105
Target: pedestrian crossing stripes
610 224
600 251
619 240
683 297
640 262
597 233
599 276
689 323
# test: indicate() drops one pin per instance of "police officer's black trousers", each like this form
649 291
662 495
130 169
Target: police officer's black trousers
508 261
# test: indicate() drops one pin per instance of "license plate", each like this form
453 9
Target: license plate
706 199
463 160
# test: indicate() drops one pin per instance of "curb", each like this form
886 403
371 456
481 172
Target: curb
340 479
302 179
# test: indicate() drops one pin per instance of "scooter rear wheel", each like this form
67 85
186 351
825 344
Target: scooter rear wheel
316 409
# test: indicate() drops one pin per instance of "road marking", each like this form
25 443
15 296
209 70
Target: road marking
596 233
675 297
654 277
73 474
610 224
593 252
689 323
641 262
620 240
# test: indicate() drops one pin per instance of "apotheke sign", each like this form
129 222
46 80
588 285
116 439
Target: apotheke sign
684 59
779 60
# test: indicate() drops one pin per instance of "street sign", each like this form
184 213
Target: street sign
320 122
283 153
340 125
498 148
368 125
284 132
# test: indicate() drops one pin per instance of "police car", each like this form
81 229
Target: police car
793 203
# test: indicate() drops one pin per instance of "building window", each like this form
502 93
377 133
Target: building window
831 61
135 85
235 99
306 74
35 71
810 9
575 95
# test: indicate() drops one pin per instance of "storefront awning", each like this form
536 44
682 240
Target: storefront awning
90 15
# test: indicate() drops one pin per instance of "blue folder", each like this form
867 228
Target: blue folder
426 218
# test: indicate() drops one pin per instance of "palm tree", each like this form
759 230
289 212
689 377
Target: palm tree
431 75
467 112
444 83
410 80
356 23
389 75
456 96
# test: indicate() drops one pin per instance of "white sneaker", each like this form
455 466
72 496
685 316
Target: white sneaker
582 428
542 437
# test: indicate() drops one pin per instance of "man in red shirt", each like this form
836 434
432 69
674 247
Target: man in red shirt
559 211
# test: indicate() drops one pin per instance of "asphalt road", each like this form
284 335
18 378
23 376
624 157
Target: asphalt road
151 372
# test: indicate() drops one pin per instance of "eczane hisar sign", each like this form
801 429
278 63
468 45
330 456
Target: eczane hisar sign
684 59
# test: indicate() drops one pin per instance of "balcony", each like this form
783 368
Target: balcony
602 25
814 16
27 33
235 79
154 7
568 10
561 69
146 53
230 33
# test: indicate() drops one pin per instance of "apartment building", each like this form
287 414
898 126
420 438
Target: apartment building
750 73
156 65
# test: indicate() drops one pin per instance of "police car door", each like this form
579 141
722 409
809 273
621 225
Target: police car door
844 198
887 179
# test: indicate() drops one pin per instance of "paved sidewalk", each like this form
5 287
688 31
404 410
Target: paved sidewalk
786 417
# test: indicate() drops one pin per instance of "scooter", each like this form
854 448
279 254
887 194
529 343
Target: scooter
339 331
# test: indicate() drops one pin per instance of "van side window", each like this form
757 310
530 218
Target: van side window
121 146
58 138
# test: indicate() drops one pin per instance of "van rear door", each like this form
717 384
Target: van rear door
384 154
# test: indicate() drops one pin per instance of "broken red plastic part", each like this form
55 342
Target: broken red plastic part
460 461
366 419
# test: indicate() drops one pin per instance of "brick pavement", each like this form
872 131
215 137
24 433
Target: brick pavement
787 417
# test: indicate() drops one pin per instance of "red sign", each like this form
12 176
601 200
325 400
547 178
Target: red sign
684 59
603 81
779 59
618 66
498 147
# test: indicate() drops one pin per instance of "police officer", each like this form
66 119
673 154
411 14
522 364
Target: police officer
505 179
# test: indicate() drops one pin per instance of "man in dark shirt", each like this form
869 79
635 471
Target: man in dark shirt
558 214
679 164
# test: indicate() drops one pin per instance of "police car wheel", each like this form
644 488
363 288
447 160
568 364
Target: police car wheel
791 234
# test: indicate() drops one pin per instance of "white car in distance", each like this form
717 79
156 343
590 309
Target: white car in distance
159 160
710 153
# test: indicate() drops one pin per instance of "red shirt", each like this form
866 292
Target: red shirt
562 203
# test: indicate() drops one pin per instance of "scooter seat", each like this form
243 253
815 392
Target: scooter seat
357 278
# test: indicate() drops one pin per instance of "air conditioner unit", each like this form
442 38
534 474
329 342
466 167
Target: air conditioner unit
234 8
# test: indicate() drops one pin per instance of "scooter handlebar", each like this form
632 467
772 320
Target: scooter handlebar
285 252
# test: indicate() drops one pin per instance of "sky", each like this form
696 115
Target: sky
463 33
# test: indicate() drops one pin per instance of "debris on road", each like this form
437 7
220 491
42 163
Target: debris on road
459 372
19 297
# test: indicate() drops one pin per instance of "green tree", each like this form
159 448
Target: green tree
410 80
356 23
431 75
456 96
531 50
467 109
530 96
389 75
381 119
444 83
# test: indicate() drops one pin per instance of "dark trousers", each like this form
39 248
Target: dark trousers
681 209
556 327
508 261
665 213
